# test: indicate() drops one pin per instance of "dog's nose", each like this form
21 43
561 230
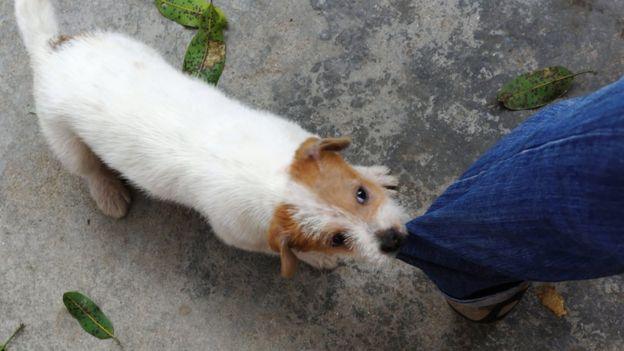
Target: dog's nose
390 240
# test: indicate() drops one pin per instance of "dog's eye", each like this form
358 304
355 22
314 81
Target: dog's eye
338 240
361 195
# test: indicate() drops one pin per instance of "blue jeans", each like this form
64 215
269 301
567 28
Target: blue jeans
544 204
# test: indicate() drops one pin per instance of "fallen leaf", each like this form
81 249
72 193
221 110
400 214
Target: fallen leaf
550 298
205 55
213 20
89 315
184 310
538 88
3 347
186 12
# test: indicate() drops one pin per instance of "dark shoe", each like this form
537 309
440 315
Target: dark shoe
490 308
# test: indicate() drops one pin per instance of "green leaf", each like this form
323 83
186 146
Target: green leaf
205 55
186 12
213 21
3 347
205 58
538 88
89 315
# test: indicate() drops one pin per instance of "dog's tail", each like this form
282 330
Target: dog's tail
37 23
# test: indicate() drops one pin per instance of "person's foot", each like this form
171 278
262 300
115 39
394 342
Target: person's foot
489 308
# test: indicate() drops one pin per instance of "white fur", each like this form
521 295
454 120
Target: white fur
37 23
106 101
315 216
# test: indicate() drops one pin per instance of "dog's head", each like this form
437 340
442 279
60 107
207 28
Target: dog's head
334 208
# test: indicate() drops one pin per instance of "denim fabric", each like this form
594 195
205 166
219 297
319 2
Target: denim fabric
546 204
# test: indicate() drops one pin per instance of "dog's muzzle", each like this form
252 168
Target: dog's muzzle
390 240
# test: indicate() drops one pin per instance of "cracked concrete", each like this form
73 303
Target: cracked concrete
412 81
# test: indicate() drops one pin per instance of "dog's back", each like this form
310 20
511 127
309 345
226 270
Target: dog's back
105 100
132 108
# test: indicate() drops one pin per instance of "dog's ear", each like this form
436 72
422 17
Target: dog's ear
313 147
288 259
334 144
280 240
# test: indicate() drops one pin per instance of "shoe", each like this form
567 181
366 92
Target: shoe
489 308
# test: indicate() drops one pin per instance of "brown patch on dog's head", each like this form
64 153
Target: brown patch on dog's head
286 235
321 169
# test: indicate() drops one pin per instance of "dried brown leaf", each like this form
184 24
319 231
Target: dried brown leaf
550 298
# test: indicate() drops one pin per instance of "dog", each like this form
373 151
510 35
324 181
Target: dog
111 107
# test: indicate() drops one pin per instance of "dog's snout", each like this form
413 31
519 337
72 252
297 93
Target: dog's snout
390 240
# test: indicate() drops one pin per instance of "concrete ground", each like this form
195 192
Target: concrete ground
412 81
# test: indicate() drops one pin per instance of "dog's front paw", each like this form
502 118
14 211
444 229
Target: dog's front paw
319 260
380 174
110 195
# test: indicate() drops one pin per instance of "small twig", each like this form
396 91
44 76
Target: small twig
19 329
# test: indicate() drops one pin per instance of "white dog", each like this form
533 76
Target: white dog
107 102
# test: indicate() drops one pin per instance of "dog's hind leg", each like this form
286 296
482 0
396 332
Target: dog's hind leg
109 193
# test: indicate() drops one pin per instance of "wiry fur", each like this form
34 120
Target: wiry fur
107 102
